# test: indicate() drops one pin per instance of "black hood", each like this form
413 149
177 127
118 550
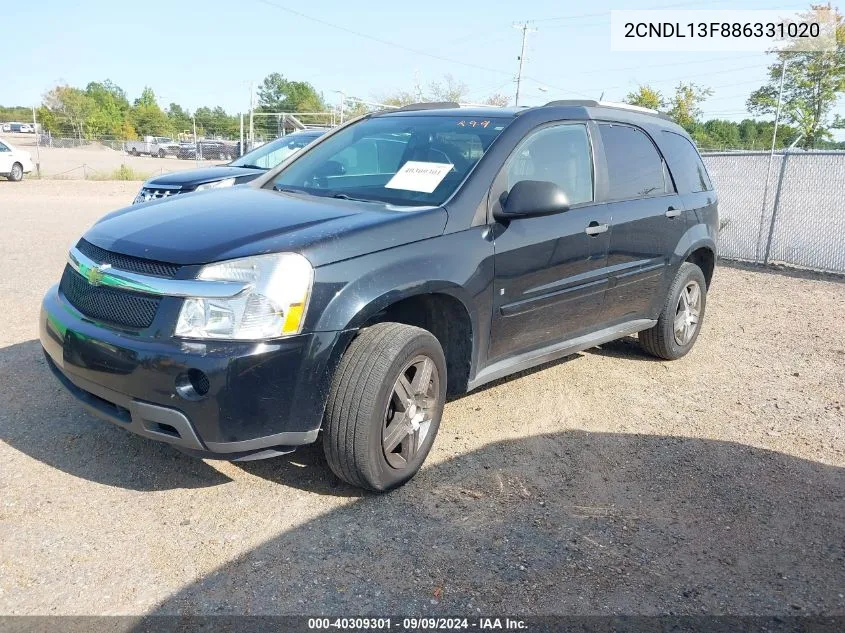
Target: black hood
209 226
190 178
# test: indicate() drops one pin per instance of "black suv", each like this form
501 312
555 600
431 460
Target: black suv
404 256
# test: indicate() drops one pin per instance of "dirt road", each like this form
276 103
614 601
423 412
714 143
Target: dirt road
605 483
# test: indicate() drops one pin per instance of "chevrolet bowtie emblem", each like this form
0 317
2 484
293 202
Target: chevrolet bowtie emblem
95 275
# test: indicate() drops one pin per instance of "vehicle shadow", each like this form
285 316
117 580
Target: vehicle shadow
568 523
627 347
38 418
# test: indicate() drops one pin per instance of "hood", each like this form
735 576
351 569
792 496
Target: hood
208 226
190 178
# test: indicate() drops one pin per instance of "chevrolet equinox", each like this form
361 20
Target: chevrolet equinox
403 257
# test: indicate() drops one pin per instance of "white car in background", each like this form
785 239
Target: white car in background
14 163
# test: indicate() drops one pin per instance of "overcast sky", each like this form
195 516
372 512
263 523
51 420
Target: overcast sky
206 52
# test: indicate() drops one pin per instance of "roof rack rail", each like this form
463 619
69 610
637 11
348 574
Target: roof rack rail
433 105
590 103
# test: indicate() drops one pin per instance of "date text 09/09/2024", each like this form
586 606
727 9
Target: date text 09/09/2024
418 624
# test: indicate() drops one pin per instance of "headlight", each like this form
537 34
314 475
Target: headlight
217 184
273 305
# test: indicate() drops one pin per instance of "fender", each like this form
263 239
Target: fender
697 236
349 293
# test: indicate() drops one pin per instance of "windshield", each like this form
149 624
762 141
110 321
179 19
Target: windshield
271 154
403 160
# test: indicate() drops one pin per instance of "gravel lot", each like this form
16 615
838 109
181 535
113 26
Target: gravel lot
96 161
605 483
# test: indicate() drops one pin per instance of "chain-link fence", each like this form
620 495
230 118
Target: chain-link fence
803 220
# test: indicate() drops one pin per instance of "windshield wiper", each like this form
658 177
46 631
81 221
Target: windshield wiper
251 167
284 190
343 196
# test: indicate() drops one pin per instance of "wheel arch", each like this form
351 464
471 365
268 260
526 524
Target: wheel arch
698 245
442 308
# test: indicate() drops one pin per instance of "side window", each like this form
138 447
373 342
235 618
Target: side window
634 168
3 148
559 154
685 164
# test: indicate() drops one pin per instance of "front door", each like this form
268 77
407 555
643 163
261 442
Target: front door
550 276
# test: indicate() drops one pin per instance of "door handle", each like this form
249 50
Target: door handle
594 228
672 212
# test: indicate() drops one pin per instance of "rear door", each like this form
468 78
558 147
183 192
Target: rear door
550 276
648 221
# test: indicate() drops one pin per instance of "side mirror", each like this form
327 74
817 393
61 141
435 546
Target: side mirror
529 198
330 168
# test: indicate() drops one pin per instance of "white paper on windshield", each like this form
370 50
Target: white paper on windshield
419 176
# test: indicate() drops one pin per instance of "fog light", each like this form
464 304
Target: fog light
192 385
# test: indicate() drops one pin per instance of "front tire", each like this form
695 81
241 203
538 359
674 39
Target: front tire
680 319
385 405
16 175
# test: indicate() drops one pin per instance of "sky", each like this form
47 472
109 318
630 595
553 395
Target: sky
207 52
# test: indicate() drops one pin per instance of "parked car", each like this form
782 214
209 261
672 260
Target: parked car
14 163
405 256
160 146
247 167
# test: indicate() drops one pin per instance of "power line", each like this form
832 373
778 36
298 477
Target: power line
380 40
604 13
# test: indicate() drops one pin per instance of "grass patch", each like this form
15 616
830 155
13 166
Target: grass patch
124 172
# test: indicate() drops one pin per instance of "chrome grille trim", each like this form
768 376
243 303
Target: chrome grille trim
105 275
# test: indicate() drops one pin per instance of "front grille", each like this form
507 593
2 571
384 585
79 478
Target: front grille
120 307
127 262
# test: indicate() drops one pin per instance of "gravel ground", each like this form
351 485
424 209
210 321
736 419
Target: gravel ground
605 483
96 161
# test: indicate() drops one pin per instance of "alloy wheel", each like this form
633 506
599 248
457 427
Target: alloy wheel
687 313
410 411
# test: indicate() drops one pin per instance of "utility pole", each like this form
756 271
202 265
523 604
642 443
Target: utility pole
37 143
758 253
251 139
525 31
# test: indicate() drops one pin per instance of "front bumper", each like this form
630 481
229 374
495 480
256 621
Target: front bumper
260 395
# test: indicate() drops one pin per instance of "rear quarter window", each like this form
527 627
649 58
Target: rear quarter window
685 164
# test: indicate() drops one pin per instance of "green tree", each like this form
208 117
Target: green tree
215 122
646 97
180 119
723 133
748 134
110 108
277 94
71 108
685 104
812 83
147 117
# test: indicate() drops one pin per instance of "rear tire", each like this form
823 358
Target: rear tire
384 406
16 175
680 319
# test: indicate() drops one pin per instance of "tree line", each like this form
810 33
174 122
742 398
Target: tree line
813 82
